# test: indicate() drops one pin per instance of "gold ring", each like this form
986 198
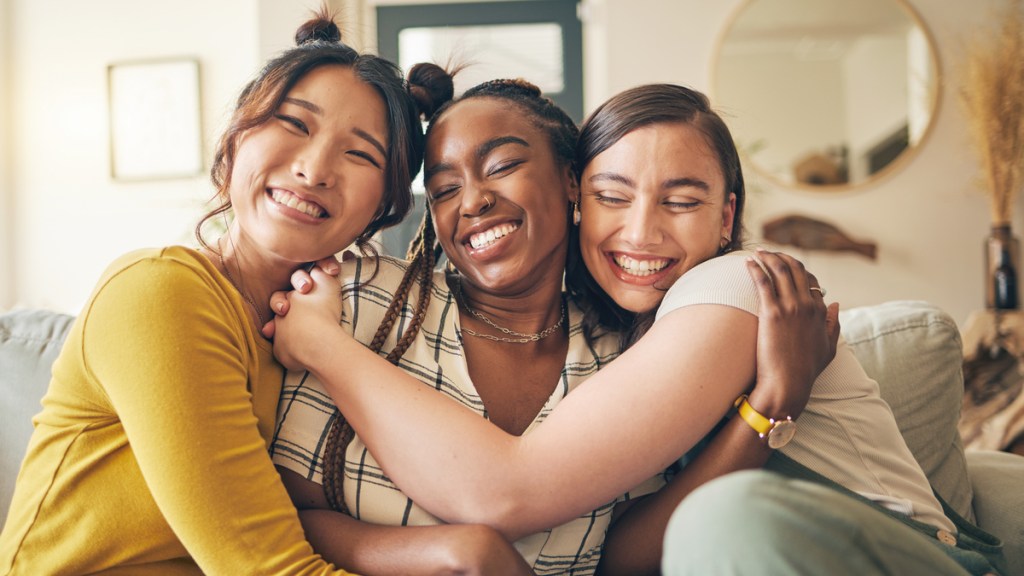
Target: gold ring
821 291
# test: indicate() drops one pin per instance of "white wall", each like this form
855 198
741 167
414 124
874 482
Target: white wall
71 219
6 196
929 219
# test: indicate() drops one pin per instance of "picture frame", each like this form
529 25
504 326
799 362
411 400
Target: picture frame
155 124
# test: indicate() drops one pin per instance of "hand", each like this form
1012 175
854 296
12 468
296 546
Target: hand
478 549
797 334
302 281
310 316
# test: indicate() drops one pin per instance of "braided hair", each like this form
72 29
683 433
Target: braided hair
424 251
430 86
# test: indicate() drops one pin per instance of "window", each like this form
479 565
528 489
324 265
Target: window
538 40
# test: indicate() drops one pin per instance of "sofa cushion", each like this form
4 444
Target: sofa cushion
29 343
997 478
913 350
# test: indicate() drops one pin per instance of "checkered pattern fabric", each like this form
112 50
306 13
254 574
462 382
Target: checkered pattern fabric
435 358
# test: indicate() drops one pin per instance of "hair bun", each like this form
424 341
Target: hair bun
320 28
431 87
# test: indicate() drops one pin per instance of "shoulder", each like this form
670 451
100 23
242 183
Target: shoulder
377 273
172 286
160 271
721 280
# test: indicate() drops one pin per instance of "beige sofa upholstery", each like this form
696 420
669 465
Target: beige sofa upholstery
912 349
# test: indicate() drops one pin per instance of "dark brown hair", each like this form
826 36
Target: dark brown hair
424 251
432 87
318 43
623 113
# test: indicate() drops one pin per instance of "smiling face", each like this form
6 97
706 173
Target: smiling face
654 206
305 183
498 196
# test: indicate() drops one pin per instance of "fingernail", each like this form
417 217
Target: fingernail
280 307
750 258
303 283
761 249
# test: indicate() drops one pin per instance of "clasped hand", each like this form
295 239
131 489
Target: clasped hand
305 314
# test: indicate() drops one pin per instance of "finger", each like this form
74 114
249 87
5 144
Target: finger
779 270
302 281
832 324
763 282
268 329
329 265
320 277
279 303
798 273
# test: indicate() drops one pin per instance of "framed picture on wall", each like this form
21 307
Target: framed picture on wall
155 127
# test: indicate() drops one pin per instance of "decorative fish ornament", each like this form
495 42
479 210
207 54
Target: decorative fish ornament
810 234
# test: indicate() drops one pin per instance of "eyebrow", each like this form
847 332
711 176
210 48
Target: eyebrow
481 152
357 131
489 146
684 182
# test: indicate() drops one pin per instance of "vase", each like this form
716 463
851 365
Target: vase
1002 260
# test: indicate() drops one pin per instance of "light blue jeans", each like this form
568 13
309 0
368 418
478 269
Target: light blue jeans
761 522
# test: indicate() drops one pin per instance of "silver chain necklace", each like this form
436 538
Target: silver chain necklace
521 338
227 272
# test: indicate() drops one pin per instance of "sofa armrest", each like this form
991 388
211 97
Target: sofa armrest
998 482
913 350
29 342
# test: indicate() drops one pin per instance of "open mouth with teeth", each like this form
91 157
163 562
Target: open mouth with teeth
488 237
285 198
640 268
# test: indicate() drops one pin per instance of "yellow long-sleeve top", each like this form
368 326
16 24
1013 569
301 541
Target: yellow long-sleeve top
150 453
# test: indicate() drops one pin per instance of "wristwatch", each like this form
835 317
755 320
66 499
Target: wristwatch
778 432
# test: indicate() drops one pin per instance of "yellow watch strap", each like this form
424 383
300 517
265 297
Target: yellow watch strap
757 421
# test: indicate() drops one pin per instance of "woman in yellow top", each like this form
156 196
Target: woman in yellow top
150 454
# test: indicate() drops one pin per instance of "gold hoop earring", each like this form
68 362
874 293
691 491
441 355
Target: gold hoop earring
576 216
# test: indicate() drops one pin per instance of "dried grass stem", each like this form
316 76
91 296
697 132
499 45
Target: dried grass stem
993 97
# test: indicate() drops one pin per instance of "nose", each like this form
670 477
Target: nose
641 226
477 200
314 166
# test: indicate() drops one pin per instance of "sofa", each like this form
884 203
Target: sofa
913 349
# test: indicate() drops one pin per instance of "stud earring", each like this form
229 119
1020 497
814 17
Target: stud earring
576 216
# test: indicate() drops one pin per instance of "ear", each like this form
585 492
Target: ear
728 215
572 186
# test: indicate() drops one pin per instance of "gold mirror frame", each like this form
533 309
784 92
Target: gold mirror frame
750 144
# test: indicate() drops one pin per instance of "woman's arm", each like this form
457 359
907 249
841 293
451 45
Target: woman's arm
399 550
793 346
464 469
175 376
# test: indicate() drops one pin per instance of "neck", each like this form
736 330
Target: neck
530 311
255 275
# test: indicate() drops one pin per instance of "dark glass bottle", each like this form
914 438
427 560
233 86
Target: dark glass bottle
1004 281
1002 255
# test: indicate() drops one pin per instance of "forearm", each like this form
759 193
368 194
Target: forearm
384 550
634 542
417 430
521 485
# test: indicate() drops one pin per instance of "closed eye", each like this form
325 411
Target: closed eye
442 191
366 156
608 200
503 167
682 205
293 122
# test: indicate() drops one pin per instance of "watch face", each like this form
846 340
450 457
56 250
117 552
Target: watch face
781 433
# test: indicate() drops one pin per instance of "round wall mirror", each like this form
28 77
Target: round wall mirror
826 94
